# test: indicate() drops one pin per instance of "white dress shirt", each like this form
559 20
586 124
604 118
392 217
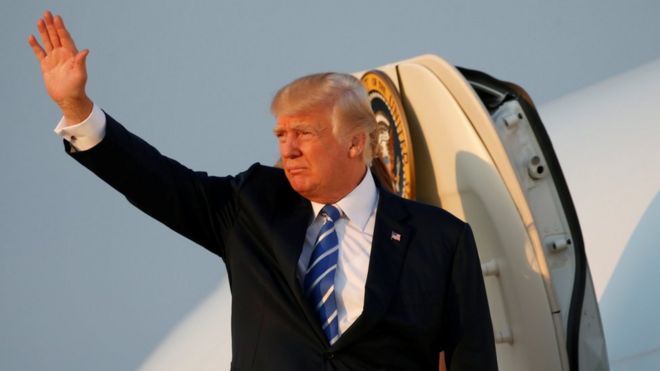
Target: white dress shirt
86 134
354 229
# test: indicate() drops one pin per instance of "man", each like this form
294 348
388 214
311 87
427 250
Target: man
327 270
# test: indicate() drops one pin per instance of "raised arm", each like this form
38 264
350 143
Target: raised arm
193 204
63 68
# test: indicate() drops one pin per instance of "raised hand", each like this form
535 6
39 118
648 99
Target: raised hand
63 68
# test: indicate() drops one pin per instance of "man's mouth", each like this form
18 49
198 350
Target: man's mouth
295 170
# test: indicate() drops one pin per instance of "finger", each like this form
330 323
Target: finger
50 26
41 26
36 48
64 35
81 58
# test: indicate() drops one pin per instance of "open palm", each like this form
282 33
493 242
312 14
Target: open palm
62 65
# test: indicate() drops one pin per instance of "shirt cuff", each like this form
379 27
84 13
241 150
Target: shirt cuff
86 134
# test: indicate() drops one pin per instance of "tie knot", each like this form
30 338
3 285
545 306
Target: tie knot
332 212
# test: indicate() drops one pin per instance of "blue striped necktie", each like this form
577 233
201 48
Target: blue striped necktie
319 284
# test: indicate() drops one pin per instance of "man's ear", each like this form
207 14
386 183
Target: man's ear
358 141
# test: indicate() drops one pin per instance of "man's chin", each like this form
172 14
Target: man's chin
300 186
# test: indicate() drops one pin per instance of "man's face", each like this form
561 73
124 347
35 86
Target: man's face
315 162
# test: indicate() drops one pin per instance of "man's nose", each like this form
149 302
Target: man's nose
289 147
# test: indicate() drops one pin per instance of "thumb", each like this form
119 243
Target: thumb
81 58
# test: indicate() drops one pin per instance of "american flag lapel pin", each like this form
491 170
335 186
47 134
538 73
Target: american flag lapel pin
395 236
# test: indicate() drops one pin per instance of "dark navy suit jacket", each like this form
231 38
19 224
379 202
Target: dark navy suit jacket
424 291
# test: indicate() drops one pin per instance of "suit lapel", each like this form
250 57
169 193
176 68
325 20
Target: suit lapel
289 230
388 250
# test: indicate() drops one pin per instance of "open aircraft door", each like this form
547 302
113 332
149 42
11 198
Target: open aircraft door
476 146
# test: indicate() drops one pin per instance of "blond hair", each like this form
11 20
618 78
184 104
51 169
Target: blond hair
342 94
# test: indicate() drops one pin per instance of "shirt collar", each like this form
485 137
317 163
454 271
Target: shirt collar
359 204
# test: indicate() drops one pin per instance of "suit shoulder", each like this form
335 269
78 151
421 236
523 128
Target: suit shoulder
260 181
258 174
430 216
439 214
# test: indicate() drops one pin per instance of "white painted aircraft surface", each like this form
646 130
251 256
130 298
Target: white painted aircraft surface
607 137
477 155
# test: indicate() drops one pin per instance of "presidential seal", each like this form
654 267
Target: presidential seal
393 152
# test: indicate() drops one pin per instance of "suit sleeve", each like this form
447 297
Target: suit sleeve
191 203
468 342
